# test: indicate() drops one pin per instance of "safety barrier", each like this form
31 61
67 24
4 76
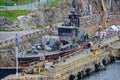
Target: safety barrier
28 36
107 34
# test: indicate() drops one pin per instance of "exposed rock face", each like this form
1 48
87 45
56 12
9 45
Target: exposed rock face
27 22
44 15
5 23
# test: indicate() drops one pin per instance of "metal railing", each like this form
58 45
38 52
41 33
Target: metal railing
24 37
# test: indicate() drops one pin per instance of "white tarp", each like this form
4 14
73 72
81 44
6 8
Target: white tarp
115 28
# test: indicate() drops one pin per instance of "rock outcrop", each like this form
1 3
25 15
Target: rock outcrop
5 23
44 15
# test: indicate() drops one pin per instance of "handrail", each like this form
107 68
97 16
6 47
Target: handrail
25 36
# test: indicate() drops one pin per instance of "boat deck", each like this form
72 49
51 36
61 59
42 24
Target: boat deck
41 53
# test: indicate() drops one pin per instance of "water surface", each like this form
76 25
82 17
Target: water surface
112 72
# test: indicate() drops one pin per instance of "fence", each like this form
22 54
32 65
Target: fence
27 36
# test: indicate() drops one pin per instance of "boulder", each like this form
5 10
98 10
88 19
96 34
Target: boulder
5 23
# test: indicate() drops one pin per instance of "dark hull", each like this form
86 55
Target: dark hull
6 72
25 61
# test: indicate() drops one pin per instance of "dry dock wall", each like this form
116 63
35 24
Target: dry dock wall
73 67
63 72
80 65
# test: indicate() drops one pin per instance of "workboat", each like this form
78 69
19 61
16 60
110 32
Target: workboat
50 48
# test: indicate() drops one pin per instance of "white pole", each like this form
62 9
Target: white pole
16 54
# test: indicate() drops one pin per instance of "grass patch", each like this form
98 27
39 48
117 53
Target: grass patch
12 15
13 2
59 21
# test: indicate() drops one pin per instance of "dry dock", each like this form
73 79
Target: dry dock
72 65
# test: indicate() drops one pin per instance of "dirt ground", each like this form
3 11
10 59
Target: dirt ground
92 29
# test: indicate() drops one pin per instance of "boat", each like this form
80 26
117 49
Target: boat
52 50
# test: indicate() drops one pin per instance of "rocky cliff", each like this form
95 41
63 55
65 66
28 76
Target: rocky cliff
45 15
